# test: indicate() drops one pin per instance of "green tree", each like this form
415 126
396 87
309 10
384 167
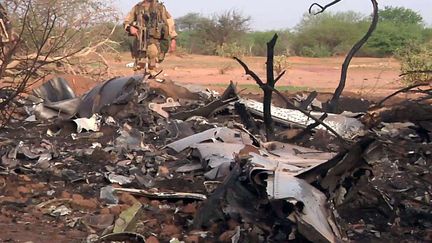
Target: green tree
328 33
400 15
397 28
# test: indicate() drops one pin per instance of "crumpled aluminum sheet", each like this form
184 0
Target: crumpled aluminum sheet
62 109
218 153
315 222
113 91
220 133
347 127
297 155
55 90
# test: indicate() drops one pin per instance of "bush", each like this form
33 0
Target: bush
230 50
323 35
389 37
328 34
416 57
281 64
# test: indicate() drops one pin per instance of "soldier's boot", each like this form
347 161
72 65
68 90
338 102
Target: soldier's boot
139 65
153 60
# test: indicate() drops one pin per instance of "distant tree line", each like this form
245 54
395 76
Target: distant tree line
324 35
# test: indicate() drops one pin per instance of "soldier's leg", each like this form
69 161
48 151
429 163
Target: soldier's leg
152 54
138 55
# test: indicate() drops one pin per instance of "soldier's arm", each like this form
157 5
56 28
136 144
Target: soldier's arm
130 18
171 24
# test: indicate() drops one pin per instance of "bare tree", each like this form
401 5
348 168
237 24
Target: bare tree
334 102
51 35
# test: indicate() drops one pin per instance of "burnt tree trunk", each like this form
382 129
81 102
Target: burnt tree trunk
268 93
334 102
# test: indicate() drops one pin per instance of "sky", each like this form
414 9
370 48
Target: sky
277 14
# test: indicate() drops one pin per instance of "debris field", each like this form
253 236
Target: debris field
142 160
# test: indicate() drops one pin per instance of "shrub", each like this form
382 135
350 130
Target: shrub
416 57
281 64
230 50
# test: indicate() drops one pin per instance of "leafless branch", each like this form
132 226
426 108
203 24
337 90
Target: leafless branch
267 87
250 72
406 89
333 104
51 32
322 8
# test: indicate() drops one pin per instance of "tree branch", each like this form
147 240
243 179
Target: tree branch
250 72
290 104
406 89
322 8
334 102
280 76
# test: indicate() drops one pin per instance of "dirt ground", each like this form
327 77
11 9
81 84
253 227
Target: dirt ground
367 76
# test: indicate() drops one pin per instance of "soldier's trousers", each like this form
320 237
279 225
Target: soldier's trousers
153 55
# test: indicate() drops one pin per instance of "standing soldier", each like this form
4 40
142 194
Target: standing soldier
153 28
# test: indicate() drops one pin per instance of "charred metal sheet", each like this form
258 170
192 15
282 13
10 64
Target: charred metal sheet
63 109
55 90
297 155
114 91
162 195
260 162
229 96
131 139
205 111
314 222
347 127
216 154
222 134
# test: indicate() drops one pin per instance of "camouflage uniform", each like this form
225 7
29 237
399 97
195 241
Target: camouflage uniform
160 28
